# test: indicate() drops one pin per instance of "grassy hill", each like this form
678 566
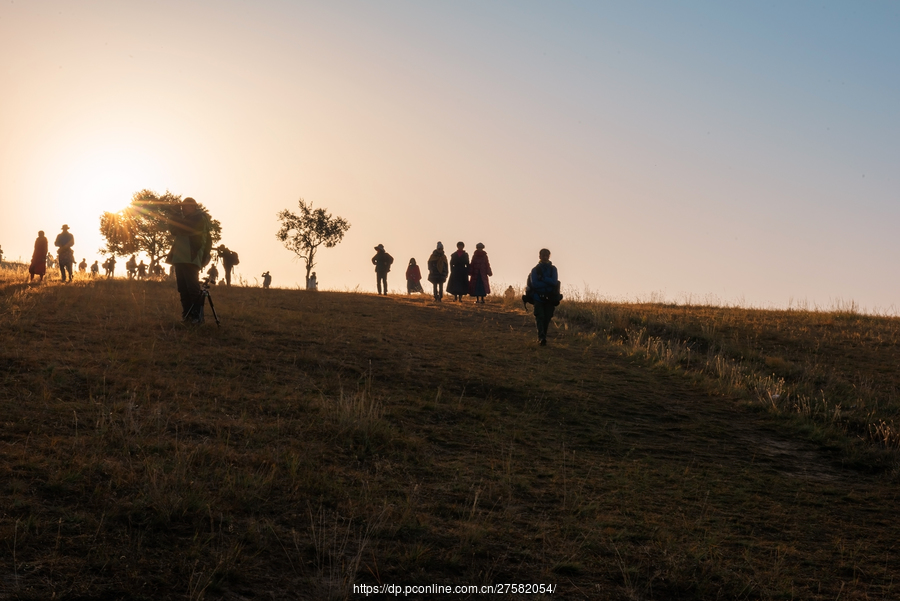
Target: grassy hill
318 441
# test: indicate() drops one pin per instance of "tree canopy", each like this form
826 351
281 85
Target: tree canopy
305 232
143 226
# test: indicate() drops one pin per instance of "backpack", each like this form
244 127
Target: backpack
234 258
553 298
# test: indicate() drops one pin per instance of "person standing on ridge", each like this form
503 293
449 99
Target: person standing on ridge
437 271
459 273
382 262
543 291
229 260
82 267
38 265
190 253
479 272
267 280
95 268
64 242
413 278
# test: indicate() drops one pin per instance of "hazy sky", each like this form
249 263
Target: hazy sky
699 150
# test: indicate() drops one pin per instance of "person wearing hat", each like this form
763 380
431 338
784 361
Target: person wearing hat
38 265
66 256
437 271
382 262
479 272
229 260
190 253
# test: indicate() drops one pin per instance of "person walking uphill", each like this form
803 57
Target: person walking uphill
543 291
65 241
459 273
479 272
190 252
437 271
38 265
382 262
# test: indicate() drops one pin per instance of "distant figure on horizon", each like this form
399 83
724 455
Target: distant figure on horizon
413 278
510 293
95 268
38 265
82 267
437 271
50 261
142 270
110 267
479 272
131 267
229 260
267 280
382 262
64 242
459 273
543 290
213 274
190 252
313 282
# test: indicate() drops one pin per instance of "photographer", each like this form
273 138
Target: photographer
229 260
190 252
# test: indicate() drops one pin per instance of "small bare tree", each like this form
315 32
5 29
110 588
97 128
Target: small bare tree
303 234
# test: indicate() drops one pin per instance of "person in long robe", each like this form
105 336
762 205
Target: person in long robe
479 272
38 265
459 273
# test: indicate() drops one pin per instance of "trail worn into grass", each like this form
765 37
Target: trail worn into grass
322 440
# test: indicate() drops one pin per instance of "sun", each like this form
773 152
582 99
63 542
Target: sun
106 179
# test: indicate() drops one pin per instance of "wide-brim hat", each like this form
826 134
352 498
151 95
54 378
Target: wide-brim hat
65 227
379 247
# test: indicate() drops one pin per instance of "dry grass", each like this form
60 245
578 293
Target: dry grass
321 440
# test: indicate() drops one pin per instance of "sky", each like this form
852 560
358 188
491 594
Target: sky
735 153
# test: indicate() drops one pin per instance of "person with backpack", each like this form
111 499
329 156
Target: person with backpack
542 290
229 260
190 252
382 262
65 241
437 271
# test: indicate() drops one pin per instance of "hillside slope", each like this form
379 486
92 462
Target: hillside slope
318 441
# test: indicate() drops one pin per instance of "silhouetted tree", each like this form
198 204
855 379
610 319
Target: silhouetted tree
303 234
143 226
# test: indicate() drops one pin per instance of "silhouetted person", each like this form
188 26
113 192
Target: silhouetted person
479 272
413 278
382 262
51 262
510 293
229 260
64 243
544 292
95 269
437 271
131 267
459 273
313 282
82 267
267 280
142 270
189 254
213 274
111 267
38 265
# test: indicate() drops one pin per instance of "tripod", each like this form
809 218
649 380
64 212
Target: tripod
204 296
